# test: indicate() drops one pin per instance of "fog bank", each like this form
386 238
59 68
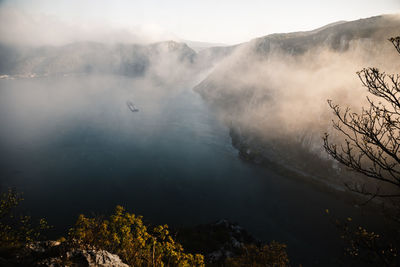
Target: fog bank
273 91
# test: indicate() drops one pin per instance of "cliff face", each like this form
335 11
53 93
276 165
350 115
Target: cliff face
272 91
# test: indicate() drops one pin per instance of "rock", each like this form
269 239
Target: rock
94 258
42 246
57 254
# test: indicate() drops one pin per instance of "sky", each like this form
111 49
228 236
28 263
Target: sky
216 21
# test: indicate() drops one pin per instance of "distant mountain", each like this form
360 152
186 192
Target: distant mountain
90 57
198 46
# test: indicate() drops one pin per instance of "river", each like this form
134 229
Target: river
72 146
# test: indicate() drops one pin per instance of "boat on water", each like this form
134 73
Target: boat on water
131 106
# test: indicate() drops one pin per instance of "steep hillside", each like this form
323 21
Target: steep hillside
272 91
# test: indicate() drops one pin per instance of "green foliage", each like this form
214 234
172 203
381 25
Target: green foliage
126 235
16 230
8 201
273 254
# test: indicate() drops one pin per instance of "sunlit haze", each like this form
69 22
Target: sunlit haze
222 21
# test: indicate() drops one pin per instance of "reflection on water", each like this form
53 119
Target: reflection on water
72 145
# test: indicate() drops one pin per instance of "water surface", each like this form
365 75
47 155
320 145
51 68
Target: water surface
72 146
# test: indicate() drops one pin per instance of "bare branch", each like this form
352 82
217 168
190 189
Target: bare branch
372 137
396 42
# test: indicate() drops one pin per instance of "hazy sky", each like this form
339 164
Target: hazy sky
221 21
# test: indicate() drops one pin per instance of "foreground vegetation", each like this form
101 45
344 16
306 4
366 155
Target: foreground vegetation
17 230
123 234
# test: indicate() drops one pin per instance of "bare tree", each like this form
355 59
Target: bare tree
372 137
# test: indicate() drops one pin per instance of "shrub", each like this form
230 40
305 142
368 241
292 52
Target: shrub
17 230
126 235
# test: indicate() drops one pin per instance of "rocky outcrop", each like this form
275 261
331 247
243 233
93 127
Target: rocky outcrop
56 254
100 258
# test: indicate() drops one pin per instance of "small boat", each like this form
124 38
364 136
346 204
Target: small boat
131 106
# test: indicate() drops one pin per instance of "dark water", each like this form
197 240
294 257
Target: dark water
72 146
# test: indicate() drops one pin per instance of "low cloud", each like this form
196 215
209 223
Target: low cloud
21 28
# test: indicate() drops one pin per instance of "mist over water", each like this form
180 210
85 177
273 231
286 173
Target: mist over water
72 146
